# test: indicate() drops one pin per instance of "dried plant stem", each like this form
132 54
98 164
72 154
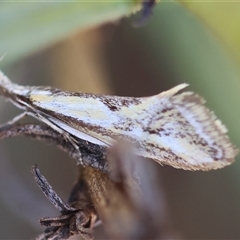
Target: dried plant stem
130 206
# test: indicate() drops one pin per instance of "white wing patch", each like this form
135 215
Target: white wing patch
171 128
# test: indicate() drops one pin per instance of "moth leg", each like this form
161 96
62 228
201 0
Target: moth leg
65 134
16 119
55 127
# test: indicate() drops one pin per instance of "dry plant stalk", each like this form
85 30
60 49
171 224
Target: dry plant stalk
112 194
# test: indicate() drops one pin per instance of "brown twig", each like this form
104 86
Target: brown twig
78 216
91 154
121 188
129 201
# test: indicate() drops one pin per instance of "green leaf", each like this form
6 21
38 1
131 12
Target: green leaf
26 27
222 18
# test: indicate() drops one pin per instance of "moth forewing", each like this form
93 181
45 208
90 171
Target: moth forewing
171 128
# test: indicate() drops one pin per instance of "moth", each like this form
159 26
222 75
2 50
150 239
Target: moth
173 127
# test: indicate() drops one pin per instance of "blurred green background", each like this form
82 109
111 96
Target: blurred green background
80 46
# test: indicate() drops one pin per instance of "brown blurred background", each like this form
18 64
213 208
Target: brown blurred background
173 47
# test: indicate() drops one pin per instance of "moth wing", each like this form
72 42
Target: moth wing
172 128
178 130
